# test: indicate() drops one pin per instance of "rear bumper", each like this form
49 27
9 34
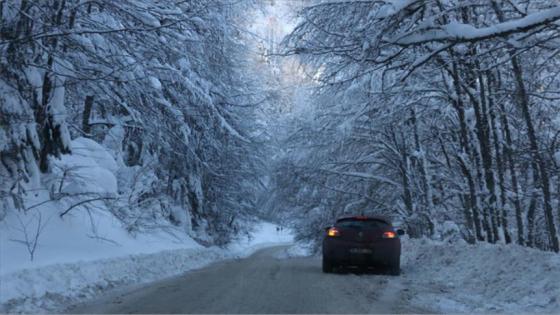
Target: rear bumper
383 252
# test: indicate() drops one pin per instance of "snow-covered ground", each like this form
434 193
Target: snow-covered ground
440 277
69 275
482 278
48 261
443 277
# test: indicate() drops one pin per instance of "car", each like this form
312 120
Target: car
362 241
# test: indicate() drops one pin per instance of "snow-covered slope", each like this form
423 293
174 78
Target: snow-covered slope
70 243
86 232
72 240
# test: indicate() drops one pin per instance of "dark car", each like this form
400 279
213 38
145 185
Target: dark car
364 242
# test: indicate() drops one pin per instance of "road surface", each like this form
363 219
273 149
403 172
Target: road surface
266 282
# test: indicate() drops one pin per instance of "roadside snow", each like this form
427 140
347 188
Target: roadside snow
264 235
481 278
85 233
455 277
52 288
296 250
438 277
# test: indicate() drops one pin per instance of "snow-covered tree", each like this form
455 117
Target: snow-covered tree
162 85
433 111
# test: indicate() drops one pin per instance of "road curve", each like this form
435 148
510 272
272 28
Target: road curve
266 282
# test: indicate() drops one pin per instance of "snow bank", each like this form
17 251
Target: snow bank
480 278
264 235
54 287
455 277
297 250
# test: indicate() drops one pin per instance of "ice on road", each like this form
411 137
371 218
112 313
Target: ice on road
266 282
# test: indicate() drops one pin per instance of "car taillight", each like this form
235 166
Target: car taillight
389 234
333 232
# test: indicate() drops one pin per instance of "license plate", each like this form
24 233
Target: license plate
360 251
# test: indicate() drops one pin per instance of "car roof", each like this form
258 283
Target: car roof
365 217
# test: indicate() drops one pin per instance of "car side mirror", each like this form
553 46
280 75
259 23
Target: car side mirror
400 232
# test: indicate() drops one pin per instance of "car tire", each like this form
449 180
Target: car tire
327 265
395 270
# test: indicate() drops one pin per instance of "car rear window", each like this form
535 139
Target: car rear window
362 224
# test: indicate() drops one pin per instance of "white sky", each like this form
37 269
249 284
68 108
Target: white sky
276 15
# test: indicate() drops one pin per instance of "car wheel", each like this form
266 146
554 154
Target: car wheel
395 270
327 265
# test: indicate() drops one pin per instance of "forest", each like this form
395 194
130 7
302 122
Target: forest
444 115
162 86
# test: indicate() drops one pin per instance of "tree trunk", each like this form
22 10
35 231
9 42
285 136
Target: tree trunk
460 108
508 154
88 105
482 135
51 132
407 195
472 200
483 132
424 172
532 207
503 216
523 101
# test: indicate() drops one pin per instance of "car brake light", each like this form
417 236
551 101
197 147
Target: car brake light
389 234
333 232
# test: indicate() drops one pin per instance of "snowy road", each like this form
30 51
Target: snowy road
266 282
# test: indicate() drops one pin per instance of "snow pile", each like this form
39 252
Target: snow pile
264 235
457 277
296 250
54 287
